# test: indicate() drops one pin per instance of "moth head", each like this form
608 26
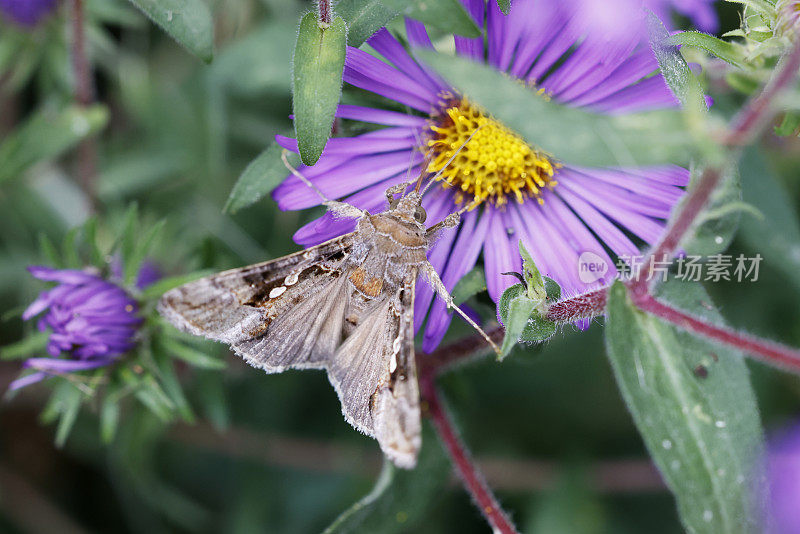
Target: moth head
410 207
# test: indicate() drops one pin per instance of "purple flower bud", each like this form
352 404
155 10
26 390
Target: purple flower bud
92 322
26 12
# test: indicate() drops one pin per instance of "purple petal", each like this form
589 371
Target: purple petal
379 116
64 276
27 380
471 236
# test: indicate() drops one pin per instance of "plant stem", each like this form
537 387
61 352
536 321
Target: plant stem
472 479
769 352
325 11
84 96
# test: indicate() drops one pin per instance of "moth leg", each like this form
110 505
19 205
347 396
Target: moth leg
438 286
342 209
451 221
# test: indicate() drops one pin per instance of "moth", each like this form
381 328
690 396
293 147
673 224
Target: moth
345 306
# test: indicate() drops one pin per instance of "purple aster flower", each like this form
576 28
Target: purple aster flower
26 12
559 211
700 12
92 322
783 479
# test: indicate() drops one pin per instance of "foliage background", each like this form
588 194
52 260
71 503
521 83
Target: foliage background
272 453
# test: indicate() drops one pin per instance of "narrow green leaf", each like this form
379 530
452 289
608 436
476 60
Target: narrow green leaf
790 124
676 72
46 135
533 278
90 237
49 251
519 311
134 263
694 406
187 21
172 386
318 66
190 354
504 5
69 403
400 499
450 16
722 49
109 420
537 327
364 17
263 175
165 284
153 397
69 249
470 284
570 135
25 347
127 239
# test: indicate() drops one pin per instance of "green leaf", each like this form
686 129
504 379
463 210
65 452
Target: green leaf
109 419
165 284
518 312
190 354
46 135
790 124
693 404
25 347
140 251
776 233
536 328
504 5
263 175
172 386
187 21
450 16
470 284
127 239
676 72
49 250
716 225
400 498
571 135
722 49
533 279
68 403
364 17
318 66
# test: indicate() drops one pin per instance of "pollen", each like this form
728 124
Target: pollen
494 166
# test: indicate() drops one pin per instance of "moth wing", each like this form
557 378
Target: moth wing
236 306
378 398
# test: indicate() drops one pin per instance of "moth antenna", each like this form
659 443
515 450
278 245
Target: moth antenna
302 178
477 327
438 287
449 161
342 209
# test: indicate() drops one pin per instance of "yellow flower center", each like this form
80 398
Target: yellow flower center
495 164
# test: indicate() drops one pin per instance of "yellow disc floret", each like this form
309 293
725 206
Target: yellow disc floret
495 164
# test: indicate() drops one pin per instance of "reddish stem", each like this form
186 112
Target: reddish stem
84 95
325 11
767 351
472 479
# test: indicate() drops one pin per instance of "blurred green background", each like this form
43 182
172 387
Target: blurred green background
273 453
